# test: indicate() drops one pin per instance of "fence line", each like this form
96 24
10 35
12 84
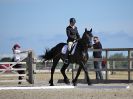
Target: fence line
129 59
29 69
31 63
107 50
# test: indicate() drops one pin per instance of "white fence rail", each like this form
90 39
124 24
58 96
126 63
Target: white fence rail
13 71
107 68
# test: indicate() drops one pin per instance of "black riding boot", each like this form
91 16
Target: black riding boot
66 57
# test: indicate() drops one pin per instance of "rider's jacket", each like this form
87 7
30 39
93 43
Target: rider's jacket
72 34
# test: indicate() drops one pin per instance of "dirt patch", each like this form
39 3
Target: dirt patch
75 93
66 94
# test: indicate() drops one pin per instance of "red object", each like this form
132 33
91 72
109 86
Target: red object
5 66
104 62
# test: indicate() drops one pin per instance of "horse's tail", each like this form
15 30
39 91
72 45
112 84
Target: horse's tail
50 54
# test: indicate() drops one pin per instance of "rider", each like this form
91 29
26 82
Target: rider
73 35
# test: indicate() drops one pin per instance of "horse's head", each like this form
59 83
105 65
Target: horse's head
87 37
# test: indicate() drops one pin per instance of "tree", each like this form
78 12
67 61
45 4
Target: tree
6 59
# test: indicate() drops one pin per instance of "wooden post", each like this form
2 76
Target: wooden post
34 60
30 68
129 65
113 67
107 65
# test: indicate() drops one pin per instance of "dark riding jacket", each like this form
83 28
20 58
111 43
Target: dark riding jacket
72 34
97 54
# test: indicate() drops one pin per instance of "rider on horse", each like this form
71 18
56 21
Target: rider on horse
73 35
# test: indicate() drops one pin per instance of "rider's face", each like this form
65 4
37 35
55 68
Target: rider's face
72 23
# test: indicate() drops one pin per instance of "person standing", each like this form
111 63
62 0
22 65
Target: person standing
17 57
97 54
73 35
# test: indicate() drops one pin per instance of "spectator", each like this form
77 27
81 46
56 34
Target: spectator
97 54
17 57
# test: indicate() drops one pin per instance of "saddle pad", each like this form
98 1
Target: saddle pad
65 48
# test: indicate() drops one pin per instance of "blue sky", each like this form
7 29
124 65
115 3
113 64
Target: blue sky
40 24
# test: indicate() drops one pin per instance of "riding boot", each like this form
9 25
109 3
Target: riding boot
66 57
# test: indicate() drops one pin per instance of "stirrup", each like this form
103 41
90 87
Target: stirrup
66 61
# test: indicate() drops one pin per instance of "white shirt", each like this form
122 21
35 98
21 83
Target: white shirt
17 56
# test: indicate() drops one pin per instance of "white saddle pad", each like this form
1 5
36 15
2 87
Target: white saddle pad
65 48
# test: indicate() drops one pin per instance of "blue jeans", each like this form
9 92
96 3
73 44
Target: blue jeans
97 66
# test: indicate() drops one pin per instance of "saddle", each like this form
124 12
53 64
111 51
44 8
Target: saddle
65 48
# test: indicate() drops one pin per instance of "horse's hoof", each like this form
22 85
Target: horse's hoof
74 82
67 81
89 83
51 85
19 83
50 81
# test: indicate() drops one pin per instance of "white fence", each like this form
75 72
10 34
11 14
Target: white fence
31 65
107 68
13 71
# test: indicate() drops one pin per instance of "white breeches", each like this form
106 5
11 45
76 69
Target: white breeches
70 45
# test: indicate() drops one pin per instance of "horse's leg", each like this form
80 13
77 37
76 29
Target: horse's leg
55 62
77 75
66 80
86 73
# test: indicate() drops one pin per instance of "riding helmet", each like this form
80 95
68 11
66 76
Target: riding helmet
16 45
72 20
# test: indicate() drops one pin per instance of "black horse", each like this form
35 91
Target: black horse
80 57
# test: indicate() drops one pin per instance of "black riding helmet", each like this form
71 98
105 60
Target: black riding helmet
72 20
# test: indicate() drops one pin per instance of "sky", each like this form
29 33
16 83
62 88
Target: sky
40 24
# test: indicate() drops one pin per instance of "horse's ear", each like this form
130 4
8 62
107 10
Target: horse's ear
46 50
85 29
91 30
